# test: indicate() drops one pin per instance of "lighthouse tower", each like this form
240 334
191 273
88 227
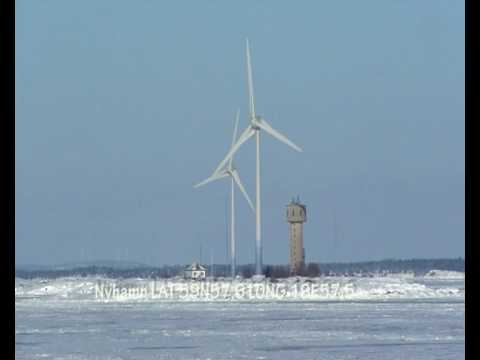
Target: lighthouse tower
296 216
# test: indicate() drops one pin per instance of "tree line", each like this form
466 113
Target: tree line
313 269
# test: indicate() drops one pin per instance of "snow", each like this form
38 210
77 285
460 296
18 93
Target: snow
434 285
380 317
445 274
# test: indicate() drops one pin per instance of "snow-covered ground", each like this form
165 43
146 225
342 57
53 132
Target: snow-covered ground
434 285
388 317
443 274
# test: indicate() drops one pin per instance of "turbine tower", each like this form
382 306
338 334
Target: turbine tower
257 123
219 173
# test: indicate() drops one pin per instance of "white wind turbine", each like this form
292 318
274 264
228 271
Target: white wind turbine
224 171
257 123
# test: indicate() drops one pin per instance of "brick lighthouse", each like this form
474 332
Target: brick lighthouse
296 216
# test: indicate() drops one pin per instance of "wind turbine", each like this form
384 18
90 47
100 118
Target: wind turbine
257 123
228 170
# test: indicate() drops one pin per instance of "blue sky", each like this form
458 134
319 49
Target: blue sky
122 106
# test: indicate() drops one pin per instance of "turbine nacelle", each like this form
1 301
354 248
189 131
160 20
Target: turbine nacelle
255 122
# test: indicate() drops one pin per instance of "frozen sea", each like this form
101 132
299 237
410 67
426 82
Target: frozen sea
388 317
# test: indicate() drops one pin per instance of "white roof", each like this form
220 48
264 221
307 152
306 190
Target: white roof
195 267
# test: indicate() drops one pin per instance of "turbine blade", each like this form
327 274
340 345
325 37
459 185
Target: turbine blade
214 177
234 137
277 135
237 180
251 101
247 133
